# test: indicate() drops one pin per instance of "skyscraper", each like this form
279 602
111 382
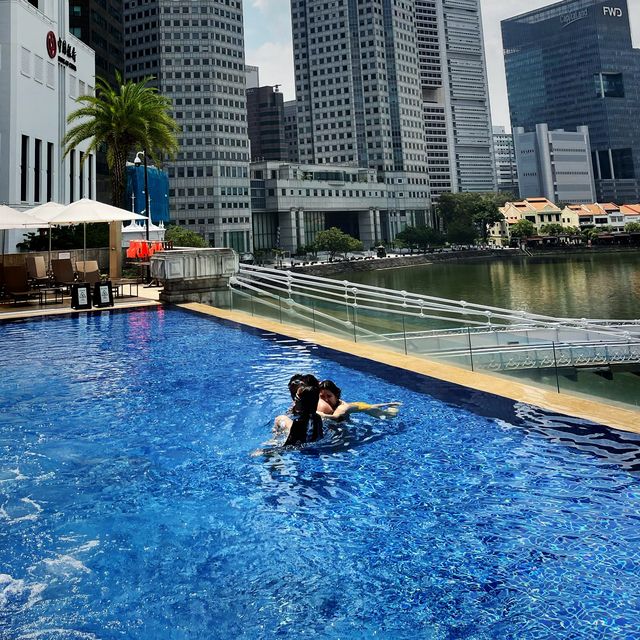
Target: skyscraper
359 96
504 157
195 51
265 119
455 96
572 64
98 23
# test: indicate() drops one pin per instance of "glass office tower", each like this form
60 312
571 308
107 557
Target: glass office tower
572 64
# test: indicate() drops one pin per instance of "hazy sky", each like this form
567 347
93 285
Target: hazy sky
268 43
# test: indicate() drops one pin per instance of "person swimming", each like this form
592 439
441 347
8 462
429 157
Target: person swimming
307 424
340 409
283 422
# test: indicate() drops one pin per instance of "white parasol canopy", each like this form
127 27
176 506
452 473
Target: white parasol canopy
14 219
88 211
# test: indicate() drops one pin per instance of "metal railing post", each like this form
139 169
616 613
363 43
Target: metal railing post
470 348
555 363
280 308
313 314
355 324
252 311
404 333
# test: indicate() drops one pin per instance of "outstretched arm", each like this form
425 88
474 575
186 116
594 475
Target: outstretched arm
381 410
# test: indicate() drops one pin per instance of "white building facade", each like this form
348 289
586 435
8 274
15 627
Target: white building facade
43 69
555 164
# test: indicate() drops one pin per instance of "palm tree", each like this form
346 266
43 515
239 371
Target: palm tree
132 116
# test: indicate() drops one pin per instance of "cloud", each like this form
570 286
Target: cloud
275 61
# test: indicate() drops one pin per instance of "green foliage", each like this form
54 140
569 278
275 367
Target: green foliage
421 237
336 241
632 227
467 215
522 229
182 237
131 118
552 229
67 237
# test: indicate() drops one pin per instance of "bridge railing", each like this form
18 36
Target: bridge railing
458 332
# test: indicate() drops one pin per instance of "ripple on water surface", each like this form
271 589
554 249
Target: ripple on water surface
131 506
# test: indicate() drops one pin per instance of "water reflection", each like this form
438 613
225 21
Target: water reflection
592 286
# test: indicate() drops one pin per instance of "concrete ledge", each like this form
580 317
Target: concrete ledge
579 407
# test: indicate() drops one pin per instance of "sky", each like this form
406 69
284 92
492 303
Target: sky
268 44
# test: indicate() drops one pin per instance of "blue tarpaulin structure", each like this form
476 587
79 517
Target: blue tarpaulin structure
158 192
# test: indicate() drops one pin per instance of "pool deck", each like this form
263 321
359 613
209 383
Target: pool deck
577 406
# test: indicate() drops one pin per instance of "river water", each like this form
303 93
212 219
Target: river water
579 286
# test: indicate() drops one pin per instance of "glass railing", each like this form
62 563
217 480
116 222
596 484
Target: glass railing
591 357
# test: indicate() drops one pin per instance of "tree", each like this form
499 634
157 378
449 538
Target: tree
632 227
466 215
182 237
131 117
522 229
421 236
552 229
336 241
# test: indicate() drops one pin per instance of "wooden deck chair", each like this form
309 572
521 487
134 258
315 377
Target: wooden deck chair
37 271
63 273
17 283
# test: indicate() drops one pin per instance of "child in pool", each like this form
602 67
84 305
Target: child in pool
330 393
283 422
307 424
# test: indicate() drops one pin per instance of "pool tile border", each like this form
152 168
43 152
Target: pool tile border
484 394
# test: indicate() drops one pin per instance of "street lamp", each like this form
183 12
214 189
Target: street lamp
137 162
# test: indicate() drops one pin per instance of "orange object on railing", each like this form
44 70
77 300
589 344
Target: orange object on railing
131 251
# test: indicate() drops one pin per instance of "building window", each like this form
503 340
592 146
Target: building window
49 171
24 167
609 85
37 162
72 170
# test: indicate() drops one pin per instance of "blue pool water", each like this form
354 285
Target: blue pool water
131 506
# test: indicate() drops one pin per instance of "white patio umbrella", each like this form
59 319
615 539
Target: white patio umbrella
45 212
87 211
13 219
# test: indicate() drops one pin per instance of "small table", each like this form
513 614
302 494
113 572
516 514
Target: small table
118 287
56 292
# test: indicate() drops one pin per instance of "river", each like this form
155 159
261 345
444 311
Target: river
601 285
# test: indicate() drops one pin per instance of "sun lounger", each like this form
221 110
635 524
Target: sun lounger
63 273
37 271
88 271
17 285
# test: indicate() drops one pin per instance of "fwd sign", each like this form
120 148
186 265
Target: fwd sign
614 12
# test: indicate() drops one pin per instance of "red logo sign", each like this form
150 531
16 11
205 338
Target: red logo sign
52 44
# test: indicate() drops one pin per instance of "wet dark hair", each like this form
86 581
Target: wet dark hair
307 425
298 379
330 385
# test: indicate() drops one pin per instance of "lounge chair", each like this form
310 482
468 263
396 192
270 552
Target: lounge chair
88 271
37 271
17 285
63 273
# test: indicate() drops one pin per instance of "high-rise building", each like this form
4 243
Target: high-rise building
195 51
455 96
504 157
359 97
291 129
98 23
571 64
555 164
265 119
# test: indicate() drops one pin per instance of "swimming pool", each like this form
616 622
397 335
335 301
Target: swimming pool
130 506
